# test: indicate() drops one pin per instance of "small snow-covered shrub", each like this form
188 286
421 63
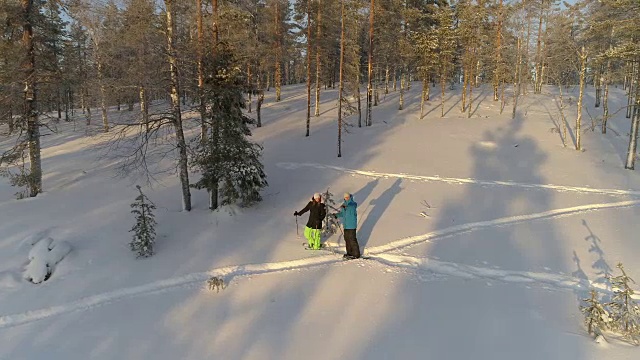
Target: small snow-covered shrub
43 257
144 232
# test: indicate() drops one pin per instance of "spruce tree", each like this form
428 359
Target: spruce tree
331 223
144 232
624 310
596 316
231 163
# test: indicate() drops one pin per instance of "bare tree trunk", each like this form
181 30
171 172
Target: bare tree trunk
59 103
88 109
443 84
278 72
249 83
526 58
517 80
465 80
340 79
395 78
30 102
199 51
605 100
175 108
259 106
144 107
471 75
215 126
359 100
635 123
630 88
308 66
583 72
318 59
536 89
376 97
562 117
502 101
598 85
103 91
425 87
402 85
386 80
370 63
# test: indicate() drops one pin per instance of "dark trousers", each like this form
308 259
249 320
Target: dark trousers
353 249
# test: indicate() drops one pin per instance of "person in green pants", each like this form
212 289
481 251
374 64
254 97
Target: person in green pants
317 212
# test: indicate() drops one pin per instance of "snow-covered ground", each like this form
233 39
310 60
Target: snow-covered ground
482 234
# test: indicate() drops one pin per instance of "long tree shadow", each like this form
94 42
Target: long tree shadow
378 207
579 273
603 270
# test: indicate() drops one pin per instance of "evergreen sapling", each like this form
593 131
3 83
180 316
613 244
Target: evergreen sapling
625 312
331 223
596 316
144 232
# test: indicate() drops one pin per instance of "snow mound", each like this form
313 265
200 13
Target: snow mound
43 256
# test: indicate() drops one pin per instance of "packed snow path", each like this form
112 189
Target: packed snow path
378 253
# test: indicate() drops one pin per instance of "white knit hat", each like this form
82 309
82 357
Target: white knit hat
316 196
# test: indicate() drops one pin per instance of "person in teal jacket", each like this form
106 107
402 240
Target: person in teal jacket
349 216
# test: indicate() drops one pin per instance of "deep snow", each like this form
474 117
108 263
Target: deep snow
517 229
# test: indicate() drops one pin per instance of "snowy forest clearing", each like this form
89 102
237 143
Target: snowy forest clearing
500 264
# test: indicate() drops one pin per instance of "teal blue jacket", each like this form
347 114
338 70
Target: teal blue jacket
348 214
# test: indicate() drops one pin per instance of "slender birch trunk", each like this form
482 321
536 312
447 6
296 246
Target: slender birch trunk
562 117
103 90
465 80
144 107
370 64
425 87
630 88
443 84
517 80
175 107
605 99
583 72
386 80
536 89
402 85
635 123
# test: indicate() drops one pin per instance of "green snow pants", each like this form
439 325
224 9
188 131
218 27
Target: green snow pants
313 237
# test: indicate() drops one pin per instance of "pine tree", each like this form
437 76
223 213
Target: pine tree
331 223
233 164
144 232
596 316
624 310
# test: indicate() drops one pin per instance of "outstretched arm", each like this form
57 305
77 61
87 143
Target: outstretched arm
306 208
